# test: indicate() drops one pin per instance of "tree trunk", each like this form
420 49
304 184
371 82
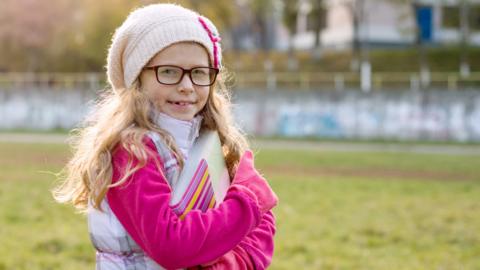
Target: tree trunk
356 54
464 39
319 24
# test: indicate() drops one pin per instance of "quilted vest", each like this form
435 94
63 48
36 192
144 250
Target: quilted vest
116 250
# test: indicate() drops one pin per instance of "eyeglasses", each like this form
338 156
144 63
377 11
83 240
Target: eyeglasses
171 75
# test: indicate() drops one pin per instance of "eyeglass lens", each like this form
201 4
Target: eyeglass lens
202 76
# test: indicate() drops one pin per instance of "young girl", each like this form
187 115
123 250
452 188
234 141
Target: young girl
162 66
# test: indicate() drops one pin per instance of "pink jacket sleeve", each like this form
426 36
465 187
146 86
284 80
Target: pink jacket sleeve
259 244
142 206
254 252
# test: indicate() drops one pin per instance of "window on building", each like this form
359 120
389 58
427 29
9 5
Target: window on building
450 17
474 17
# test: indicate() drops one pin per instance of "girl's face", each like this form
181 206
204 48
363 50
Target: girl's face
185 99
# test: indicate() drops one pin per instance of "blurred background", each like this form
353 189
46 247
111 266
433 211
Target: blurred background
365 116
386 69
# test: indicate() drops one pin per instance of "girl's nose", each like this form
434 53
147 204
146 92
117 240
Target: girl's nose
185 85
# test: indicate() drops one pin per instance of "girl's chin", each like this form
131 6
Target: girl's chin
180 116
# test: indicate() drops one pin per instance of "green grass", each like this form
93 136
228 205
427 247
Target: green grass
406 165
361 223
375 210
337 210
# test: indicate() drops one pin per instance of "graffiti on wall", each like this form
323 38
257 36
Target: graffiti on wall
385 117
440 115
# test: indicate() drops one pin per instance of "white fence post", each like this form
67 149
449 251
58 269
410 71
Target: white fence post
366 76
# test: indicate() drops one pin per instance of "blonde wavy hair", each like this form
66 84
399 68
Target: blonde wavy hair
122 118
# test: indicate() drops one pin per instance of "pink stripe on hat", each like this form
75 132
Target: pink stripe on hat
214 40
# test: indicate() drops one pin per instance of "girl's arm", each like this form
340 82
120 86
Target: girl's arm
254 252
142 206
259 243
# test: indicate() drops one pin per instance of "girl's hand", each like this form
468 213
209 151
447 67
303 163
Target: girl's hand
248 180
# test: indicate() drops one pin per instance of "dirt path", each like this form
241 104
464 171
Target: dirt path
287 144
375 173
368 147
33 138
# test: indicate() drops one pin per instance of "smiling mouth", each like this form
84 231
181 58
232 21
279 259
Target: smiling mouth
181 103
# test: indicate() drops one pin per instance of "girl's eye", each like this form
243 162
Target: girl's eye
199 72
168 71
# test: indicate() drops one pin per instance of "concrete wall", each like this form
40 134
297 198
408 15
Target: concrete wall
404 115
43 108
407 115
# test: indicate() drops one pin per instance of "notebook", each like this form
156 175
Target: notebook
204 180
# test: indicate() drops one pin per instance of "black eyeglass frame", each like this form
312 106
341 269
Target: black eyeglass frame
184 71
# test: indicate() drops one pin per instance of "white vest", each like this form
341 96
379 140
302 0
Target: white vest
116 250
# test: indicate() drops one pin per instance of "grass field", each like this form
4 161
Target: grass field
338 210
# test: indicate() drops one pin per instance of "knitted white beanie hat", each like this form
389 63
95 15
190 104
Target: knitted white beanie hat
147 31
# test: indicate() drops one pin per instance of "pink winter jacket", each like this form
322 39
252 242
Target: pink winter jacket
235 235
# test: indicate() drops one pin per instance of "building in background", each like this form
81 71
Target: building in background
387 23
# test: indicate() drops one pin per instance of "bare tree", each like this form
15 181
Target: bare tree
464 38
290 14
356 9
318 24
262 16
29 30
360 49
